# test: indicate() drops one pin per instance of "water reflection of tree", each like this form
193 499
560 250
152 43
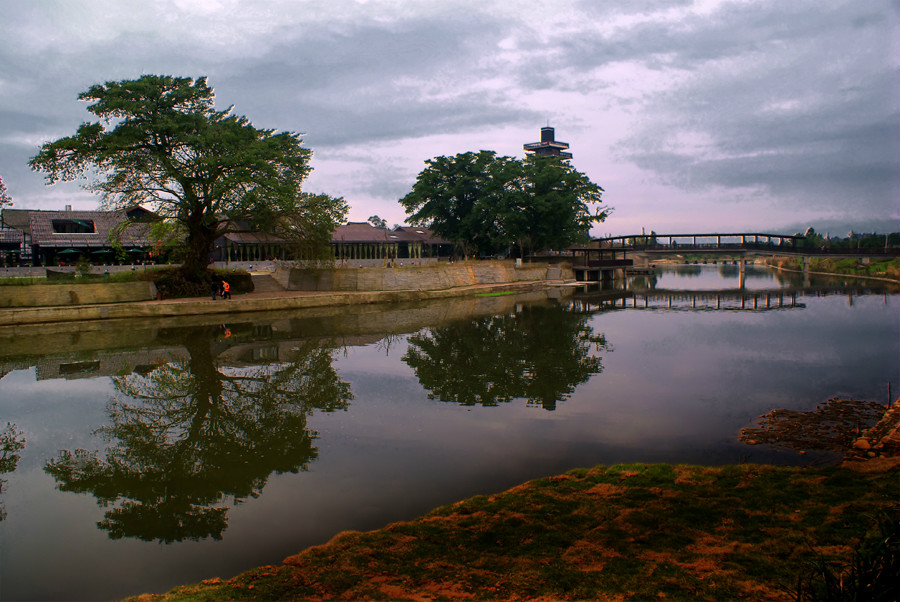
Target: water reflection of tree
189 434
540 353
12 441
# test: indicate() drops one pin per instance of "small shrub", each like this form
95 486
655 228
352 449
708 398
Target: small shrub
871 576
172 283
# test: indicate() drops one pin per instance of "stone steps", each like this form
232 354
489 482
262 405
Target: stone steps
264 283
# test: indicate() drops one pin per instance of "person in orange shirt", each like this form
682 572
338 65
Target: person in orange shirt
226 290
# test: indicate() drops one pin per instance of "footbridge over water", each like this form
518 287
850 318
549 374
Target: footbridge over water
608 257
718 243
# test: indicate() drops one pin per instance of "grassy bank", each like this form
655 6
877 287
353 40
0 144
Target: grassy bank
877 267
627 532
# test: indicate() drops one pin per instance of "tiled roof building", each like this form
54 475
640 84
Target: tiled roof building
46 236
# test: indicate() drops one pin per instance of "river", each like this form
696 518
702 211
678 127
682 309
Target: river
140 455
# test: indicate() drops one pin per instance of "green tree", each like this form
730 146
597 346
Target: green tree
555 211
159 141
378 222
465 199
486 203
812 238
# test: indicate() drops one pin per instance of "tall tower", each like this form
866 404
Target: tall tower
548 146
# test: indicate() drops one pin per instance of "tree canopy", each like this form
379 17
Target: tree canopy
378 222
487 203
159 141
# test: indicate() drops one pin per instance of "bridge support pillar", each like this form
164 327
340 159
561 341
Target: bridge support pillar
806 270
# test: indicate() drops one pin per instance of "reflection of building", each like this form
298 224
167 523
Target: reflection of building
548 146
106 363
252 354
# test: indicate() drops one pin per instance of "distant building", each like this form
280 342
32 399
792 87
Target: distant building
429 244
40 237
44 238
361 240
349 242
548 146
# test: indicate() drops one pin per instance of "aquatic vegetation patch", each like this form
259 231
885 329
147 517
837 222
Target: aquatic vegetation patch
496 294
831 426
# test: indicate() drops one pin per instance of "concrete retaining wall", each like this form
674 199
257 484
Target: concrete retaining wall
96 270
421 278
49 295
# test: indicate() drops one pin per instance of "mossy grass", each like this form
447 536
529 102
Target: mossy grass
624 532
496 294
877 267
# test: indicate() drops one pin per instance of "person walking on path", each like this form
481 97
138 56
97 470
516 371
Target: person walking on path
226 290
214 288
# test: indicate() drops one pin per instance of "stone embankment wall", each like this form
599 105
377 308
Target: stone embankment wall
421 278
52 295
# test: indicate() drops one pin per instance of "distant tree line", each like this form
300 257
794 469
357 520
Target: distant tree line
853 240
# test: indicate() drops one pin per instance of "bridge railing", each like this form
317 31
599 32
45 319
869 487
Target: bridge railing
746 241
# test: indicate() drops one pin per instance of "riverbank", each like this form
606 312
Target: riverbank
249 302
884 270
625 532
291 288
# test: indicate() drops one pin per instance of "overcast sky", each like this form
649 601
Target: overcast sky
716 116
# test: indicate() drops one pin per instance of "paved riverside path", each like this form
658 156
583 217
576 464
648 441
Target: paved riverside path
270 300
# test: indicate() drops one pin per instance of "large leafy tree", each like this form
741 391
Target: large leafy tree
556 208
159 141
464 198
486 203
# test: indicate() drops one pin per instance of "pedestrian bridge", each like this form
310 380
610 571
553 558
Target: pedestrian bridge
737 244
706 242
604 258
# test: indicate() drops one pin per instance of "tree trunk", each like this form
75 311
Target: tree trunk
198 245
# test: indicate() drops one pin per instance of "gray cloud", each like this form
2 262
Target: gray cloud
810 112
793 105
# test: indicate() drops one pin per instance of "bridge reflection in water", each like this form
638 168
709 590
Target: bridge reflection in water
705 300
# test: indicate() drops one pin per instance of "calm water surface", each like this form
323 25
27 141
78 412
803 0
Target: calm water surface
166 452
